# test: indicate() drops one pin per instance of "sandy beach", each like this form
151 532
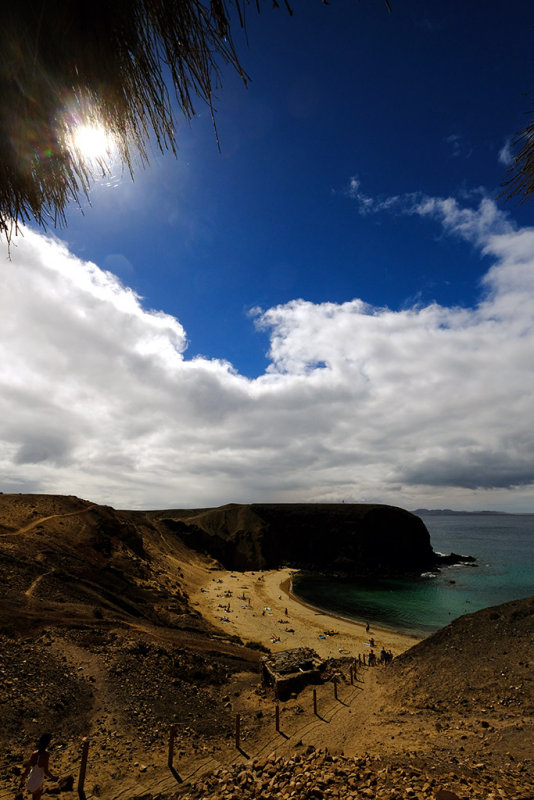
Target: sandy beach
259 607
122 670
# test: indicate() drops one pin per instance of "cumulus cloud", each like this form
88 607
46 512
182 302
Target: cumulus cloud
425 406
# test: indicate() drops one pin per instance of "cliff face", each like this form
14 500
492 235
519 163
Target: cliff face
357 539
63 559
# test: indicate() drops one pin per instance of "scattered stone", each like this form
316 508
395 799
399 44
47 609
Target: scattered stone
66 784
319 775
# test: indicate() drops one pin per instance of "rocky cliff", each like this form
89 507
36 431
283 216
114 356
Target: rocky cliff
356 539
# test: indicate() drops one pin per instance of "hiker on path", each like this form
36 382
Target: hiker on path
36 768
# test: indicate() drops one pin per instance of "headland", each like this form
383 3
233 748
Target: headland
112 629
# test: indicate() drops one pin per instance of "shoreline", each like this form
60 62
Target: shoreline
287 587
261 607
415 633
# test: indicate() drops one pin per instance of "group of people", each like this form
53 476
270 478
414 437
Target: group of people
386 656
371 659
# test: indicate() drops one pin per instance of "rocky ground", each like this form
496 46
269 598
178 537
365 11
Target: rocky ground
98 639
317 775
124 692
120 691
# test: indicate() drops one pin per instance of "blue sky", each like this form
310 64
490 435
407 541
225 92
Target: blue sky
408 101
327 300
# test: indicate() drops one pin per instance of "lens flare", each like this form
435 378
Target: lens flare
92 142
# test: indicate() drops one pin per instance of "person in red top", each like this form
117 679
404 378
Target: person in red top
36 768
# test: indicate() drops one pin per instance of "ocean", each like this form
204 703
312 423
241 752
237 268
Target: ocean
503 545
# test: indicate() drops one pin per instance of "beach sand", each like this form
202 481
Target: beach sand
259 607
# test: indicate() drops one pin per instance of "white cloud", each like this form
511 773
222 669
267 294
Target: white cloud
425 406
365 202
506 155
474 224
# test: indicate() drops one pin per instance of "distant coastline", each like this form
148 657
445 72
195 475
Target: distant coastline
449 511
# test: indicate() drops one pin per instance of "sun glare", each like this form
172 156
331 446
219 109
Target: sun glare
92 142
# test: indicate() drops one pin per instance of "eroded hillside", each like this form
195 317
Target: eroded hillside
98 638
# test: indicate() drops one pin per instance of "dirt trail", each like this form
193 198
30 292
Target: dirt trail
329 728
40 520
192 639
88 664
33 586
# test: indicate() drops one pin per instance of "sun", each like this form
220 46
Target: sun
92 142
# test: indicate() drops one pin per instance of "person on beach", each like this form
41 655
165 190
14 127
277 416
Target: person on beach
36 768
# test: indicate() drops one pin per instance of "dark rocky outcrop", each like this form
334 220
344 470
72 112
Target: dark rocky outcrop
453 558
354 539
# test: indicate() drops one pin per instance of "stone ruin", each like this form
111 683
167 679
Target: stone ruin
291 670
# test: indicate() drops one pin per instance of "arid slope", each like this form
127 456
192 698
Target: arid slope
98 638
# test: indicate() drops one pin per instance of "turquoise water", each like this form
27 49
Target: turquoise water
503 546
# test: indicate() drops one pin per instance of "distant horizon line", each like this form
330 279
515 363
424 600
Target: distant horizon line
435 511
456 511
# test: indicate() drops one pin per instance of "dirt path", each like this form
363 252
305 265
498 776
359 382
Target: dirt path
341 725
104 757
33 586
39 521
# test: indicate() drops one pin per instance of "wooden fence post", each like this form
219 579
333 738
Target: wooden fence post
351 672
277 718
83 765
315 702
237 730
172 735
